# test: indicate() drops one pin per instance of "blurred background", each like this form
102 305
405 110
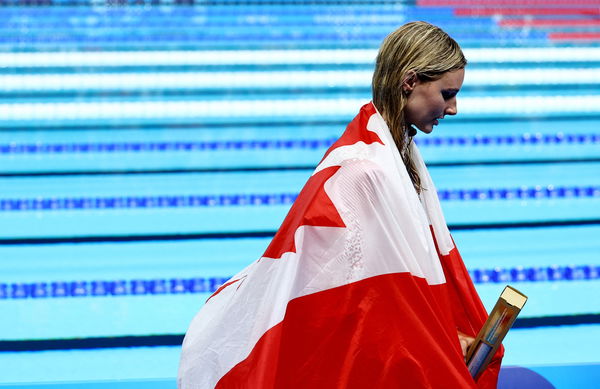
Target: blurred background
149 150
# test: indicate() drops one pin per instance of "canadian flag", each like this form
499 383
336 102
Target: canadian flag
361 287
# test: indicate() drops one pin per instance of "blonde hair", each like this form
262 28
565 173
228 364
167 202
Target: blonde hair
415 48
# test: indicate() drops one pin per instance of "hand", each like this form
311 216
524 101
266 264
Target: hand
465 342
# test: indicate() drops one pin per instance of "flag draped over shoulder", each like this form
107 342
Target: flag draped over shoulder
361 287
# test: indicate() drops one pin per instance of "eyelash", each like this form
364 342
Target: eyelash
448 95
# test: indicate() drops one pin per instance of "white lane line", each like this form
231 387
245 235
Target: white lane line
279 57
509 105
276 79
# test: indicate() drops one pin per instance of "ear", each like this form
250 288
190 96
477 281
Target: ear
410 81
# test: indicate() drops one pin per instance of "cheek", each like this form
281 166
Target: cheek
430 103
422 107
419 107
437 106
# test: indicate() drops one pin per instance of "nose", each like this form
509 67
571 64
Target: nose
451 107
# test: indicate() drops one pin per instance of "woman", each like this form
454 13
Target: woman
362 285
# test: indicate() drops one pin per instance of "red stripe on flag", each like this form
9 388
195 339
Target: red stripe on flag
381 332
357 131
526 11
312 208
470 314
225 285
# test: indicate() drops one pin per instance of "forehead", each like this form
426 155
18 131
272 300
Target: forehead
451 80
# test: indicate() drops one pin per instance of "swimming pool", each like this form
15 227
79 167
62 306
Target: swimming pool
147 154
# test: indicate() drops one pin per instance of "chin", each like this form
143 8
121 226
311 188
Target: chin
427 129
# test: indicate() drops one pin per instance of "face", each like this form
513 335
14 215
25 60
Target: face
428 102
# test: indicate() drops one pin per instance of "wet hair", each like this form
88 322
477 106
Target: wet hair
417 48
